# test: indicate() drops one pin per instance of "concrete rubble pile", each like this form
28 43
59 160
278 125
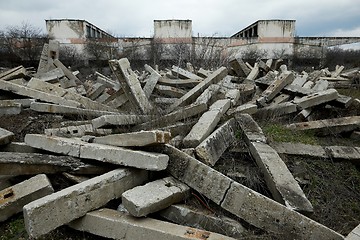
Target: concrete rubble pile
151 142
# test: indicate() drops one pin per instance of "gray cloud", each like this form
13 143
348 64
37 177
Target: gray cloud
226 17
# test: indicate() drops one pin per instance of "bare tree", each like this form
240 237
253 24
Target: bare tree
208 53
100 48
25 41
70 55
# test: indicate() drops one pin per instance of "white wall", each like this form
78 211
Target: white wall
172 29
276 28
64 31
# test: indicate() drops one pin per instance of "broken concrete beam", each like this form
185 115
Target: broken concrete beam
12 199
276 86
343 153
13 163
342 101
13 73
248 108
179 82
250 129
107 82
300 79
118 225
151 81
100 152
196 91
45 63
73 202
170 91
51 76
241 201
162 100
281 183
210 150
239 66
233 95
320 85
254 72
73 80
118 101
207 95
103 97
183 215
179 72
180 128
206 123
276 110
134 139
77 131
117 120
280 99
316 99
299 149
32 93
171 118
68 95
9 107
203 73
328 126
337 72
5 136
67 110
95 91
154 196
354 234
130 84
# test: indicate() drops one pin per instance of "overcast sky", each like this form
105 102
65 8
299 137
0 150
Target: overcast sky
134 18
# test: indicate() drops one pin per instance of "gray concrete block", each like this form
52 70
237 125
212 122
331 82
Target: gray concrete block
276 110
169 91
130 84
251 130
206 123
241 201
183 215
12 199
5 136
316 99
207 95
152 81
9 107
117 225
154 196
76 131
196 91
67 110
117 120
248 108
299 149
20 147
281 183
210 150
100 152
124 157
95 91
277 85
32 93
45 214
142 138
179 72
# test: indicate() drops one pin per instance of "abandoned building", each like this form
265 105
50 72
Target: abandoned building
270 38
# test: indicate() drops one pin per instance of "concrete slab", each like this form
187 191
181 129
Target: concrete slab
134 139
248 108
5 136
299 149
254 72
100 152
210 150
183 215
13 73
9 107
76 131
171 118
170 91
20 147
241 201
12 199
208 95
32 93
154 196
67 94
73 80
250 129
316 99
67 110
14 163
117 225
234 96
203 73
276 110
354 234
51 76
239 66
328 126
281 183
206 123
179 72
117 120
185 83
95 91
152 80
130 84
161 101
196 91
47 213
